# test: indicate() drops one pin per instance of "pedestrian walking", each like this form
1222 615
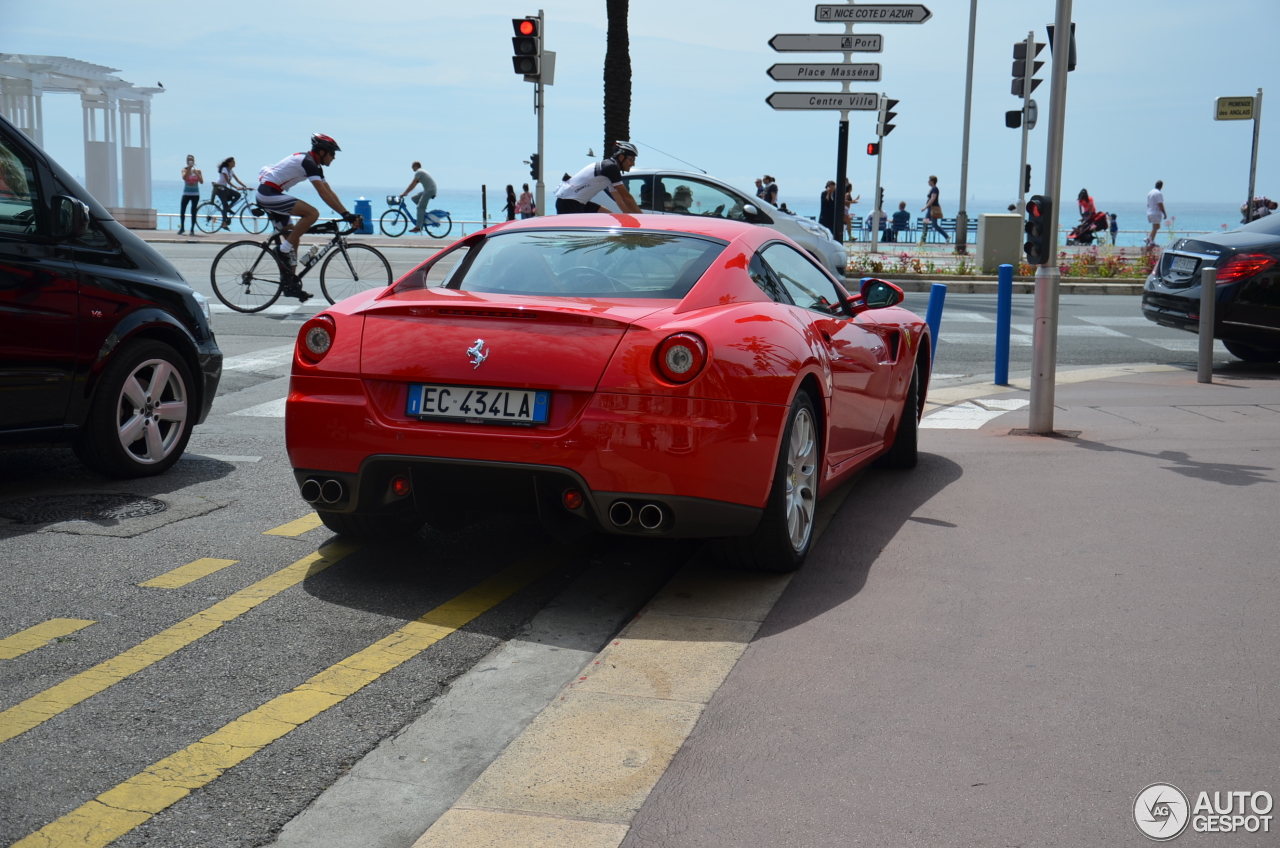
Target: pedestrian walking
1114 227
932 212
849 200
192 178
770 195
1155 211
525 204
512 203
827 207
224 189
759 188
1087 207
423 197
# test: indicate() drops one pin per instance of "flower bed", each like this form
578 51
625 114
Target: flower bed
1092 262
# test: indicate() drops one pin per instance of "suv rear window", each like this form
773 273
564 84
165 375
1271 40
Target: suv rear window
589 263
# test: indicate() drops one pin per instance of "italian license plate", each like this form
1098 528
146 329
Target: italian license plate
1183 264
479 403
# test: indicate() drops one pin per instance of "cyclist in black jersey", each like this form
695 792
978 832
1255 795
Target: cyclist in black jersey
574 195
278 178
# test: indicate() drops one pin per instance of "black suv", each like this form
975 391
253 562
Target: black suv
1246 314
103 345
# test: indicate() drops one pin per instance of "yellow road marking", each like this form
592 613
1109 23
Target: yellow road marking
57 699
296 528
189 573
33 637
122 808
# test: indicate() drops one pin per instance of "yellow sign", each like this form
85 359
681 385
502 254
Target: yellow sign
1233 109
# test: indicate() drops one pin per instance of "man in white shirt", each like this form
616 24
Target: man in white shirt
1155 211
574 195
423 197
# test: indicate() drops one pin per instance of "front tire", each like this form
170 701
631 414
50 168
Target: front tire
904 452
393 223
359 269
142 412
781 541
372 528
1249 353
246 277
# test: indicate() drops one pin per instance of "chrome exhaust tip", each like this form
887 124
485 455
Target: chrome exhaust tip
331 491
620 513
311 490
650 516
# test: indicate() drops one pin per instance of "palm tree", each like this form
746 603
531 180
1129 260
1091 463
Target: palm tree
617 77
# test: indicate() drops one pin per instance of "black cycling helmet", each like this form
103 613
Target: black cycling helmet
624 148
320 141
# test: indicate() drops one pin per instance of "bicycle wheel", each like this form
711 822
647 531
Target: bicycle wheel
353 269
393 223
255 224
208 217
246 277
441 227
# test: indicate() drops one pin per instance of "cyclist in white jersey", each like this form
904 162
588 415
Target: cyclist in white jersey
574 195
275 180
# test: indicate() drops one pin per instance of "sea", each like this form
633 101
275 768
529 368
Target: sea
467 205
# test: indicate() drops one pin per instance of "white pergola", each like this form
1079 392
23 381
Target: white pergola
117 154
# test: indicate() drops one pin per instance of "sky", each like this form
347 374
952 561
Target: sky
399 81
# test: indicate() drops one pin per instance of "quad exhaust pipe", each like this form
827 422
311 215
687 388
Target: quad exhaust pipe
649 516
320 490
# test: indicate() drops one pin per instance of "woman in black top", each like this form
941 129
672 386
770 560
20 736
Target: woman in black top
510 208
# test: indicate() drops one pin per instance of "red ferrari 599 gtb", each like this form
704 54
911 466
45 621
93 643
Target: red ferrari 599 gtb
637 375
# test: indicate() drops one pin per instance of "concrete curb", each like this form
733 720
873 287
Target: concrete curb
971 285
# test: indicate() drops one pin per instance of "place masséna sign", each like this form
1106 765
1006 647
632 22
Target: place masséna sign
841 101
872 13
835 71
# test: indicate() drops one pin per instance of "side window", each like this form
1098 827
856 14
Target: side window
693 197
761 277
18 192
641 188
807 286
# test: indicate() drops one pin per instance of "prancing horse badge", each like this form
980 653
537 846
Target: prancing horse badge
477 354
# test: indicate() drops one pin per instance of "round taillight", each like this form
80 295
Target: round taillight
680 357
572 499
316 338
400 485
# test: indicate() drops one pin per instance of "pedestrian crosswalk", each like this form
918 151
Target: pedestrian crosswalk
978 329
274 309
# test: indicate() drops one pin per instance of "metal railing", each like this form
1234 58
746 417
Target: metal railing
476 225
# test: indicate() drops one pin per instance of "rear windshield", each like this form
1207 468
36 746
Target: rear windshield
588 263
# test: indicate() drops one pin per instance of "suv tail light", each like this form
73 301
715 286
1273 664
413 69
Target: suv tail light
1244 265
680 358
315 339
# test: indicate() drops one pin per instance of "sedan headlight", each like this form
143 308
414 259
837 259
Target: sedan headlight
203 303
813 227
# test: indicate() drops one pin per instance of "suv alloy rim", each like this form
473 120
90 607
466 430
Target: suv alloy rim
800 490
151 411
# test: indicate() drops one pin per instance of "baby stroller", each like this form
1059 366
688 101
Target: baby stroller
1085 232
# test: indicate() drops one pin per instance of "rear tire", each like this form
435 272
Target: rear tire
781 541
372 528
208 218
441 228
1249 353
246 277
903 453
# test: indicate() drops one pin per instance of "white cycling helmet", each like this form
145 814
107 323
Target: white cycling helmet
621 148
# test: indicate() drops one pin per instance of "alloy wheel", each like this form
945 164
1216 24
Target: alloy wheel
151 411
801 488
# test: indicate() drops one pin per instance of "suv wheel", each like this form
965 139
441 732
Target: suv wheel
1249 353
142 413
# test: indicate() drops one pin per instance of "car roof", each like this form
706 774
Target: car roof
719 228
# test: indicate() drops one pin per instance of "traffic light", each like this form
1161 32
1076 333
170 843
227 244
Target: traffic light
535 166
1023 67
1013 119
1071 52
527 46
883 127
873 149
1037 230
880 199
1026 182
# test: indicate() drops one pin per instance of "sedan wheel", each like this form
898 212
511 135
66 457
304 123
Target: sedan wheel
142 412
801 480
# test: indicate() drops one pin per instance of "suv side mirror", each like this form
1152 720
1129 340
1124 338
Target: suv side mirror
878 294
71 217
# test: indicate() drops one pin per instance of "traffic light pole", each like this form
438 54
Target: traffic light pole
540 189
1253 162
962 216
875 199
1044 353
1026 131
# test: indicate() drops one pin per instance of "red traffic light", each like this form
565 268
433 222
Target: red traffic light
873 149
525 26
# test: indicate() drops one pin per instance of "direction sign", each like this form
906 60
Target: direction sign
833 71
872 13
827 42
1233 109
841 101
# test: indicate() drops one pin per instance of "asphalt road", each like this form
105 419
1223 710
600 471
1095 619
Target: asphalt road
234 486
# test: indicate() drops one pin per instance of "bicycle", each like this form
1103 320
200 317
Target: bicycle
209 215
398 218
248 277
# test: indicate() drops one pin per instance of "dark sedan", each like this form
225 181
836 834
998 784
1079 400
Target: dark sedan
1247 310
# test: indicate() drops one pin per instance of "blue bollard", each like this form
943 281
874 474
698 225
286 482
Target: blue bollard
365 208
1004 316
937 295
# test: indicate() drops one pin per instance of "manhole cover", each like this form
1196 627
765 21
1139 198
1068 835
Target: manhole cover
43 510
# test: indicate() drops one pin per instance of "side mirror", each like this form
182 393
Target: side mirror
71 217
750 210
877 294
